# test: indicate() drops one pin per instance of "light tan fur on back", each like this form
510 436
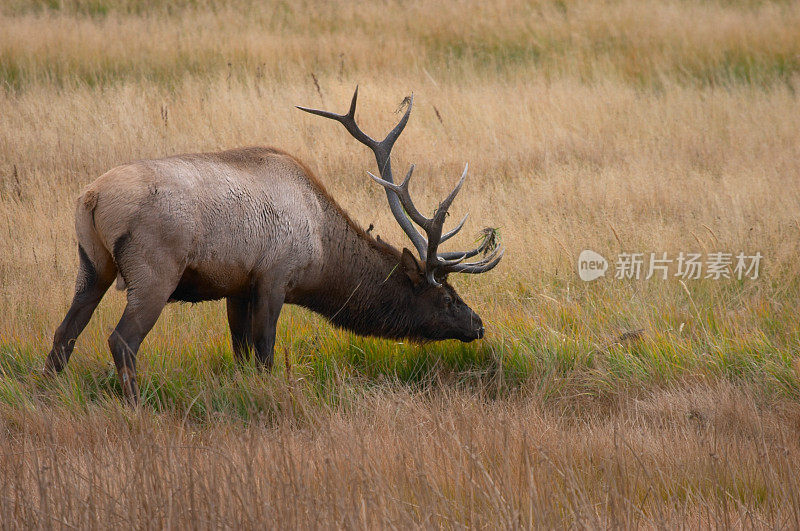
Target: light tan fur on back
222 214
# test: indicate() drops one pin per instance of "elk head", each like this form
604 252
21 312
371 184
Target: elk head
442 314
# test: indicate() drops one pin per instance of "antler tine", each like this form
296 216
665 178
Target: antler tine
392 136
480 267
469 254
445 205
348 121
352 112
403 194
454 231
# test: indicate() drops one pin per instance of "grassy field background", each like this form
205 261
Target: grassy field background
625 126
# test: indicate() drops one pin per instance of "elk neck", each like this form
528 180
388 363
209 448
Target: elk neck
360 285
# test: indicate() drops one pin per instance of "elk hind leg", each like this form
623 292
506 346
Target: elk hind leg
94 278
145 303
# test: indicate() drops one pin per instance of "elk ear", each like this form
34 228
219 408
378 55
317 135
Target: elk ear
411 267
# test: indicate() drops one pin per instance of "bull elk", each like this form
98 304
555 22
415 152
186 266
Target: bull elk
255 226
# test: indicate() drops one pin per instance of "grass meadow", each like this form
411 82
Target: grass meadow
617 126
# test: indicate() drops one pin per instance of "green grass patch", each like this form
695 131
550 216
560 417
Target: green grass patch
206 382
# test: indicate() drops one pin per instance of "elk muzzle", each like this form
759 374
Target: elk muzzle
474 330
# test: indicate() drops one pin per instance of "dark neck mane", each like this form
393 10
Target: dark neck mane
362 286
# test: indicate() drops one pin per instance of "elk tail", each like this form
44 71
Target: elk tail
89 200
90 242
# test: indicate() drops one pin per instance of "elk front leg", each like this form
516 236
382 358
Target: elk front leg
266 305
240 320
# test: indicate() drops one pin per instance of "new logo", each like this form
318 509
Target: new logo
591 265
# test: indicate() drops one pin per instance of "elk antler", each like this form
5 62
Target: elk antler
405 212
382 151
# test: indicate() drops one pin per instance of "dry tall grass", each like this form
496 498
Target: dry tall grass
616 126
689 456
